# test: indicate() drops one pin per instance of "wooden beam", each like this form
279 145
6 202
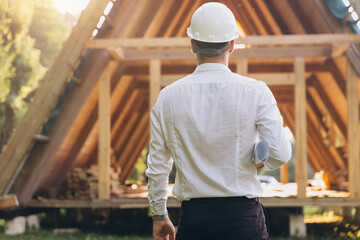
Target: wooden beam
253 17
119 130
301 127
271 79
242 66
128 202
159 19
155 80
176 18
136 144
104 156
8 201
117 53
353 132
128 127
261 52
293 39
268 18
338 49
87 122
133 142
329 105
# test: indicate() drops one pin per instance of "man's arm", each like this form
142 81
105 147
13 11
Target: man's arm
159 166
270 127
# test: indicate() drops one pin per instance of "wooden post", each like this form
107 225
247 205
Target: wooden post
284 173
300 127
242 66
353 132
104 134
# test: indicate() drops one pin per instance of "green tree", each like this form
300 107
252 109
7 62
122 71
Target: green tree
31 34
49 29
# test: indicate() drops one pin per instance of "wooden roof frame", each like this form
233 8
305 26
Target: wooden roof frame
135 43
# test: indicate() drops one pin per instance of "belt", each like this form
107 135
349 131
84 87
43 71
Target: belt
221 200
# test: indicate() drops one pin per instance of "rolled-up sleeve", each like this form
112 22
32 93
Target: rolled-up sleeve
159 163
269 124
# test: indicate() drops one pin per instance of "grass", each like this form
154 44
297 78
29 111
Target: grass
46 234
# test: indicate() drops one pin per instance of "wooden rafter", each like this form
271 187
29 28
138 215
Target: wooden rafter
269 20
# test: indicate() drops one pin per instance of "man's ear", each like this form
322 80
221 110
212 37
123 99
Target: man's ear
192 45
232 46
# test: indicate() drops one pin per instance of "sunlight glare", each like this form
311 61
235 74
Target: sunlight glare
354 16
346 3
108 8
101 22
74 7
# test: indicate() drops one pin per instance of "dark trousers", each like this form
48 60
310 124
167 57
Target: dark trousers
221 219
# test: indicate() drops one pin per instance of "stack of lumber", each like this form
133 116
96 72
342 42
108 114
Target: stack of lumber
83 183
77 184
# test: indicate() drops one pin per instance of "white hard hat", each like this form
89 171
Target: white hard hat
214 23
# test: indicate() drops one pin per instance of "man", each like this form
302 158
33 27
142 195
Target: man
207 123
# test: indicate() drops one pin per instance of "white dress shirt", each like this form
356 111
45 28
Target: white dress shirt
207 123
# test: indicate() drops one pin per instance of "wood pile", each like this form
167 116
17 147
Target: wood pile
78 184
83 183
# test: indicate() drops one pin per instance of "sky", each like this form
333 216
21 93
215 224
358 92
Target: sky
72 6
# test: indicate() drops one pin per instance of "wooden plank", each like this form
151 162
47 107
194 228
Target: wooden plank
136 144
301 127
143 121
9 201
339 49
271 79
117 53
132 105
269 18
293 39
86 122
104 156
330 106
132 119
329 157
142 202
89 149
242 66
158 19
176 18
48 92
284 173
261 52
253 17
353 132
155 80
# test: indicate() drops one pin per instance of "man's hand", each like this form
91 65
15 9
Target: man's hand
259 165
163 230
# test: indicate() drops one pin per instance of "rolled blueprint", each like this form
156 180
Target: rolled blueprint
261 152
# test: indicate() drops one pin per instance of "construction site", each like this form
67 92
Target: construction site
89 121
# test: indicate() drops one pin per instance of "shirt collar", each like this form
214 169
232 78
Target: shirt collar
212 67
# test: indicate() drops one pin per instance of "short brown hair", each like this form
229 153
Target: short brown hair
206 49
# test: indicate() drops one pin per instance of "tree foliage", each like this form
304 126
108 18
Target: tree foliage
31 34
